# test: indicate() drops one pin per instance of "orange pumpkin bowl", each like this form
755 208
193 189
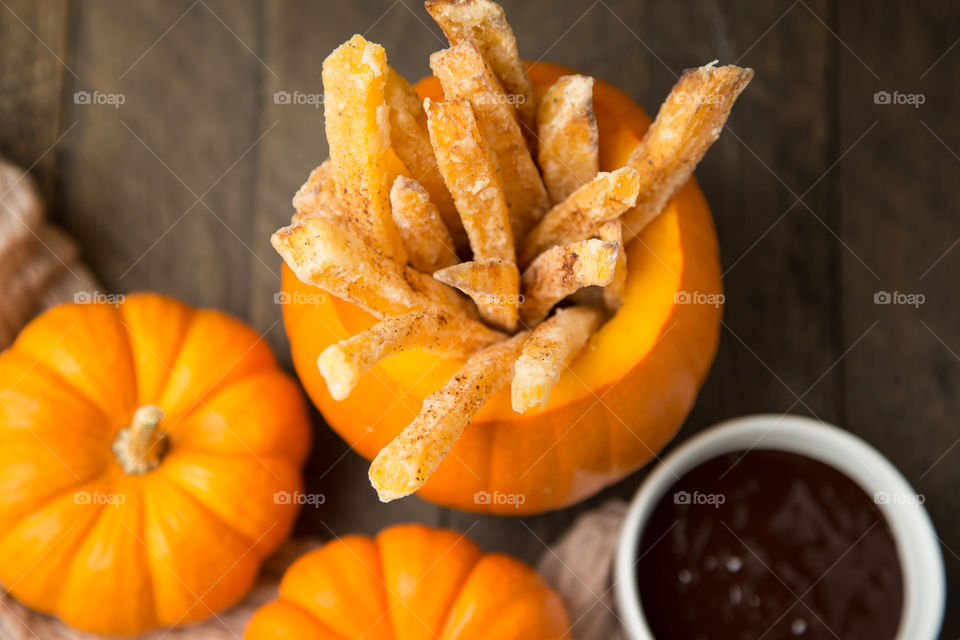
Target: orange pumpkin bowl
410 581
614 408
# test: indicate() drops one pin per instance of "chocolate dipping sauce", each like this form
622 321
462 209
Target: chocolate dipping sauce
768 544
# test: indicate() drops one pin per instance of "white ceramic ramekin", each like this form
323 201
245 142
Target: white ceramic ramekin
924 588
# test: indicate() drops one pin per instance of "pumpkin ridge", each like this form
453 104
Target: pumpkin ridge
79 542
333 634
48 369
151 597
38 359
183 423
218 384
456 596
167 369
171 480
459 588
201 399
381 573
50 498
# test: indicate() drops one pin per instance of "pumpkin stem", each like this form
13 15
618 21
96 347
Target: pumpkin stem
140 447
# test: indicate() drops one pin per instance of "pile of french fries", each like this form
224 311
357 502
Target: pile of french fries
468 225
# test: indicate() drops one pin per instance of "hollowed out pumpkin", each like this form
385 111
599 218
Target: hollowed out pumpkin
117 519
618 404
409 583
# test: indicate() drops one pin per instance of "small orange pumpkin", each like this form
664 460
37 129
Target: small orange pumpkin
411 582
618 404
142 449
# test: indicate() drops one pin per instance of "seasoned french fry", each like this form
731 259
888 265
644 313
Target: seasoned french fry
451 334
425 237
569 149
466 76
612 231
484 23
577 218
411 142
551 347
404 465
472 177
318 196
358 133
494 285
336 259
558 272
689 121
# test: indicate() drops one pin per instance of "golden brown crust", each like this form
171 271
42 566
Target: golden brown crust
404 465
484 23
612 231
464 75
551 347
337 260
451 334
472 177
579 216
318 196
689 121
425 237
569 142
492 284
358 133
411 143
558 272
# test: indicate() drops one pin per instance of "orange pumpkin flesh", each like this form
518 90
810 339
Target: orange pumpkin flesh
409 583
618 404
108 550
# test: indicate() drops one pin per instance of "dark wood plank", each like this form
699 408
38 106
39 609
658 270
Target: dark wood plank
160 189
33 38
781 339
298 36
899 218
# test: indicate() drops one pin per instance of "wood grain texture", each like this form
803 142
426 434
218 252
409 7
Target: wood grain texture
821 197
33 40
900 221
160 188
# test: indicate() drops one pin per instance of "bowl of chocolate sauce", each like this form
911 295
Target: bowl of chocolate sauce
771 527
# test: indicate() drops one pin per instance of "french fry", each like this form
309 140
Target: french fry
612 231
689 121
411 142
551 347
425 237
484 23
466 76
569 149
334 258
577 218
318 196
404 465
358 133
472 177
494 285
558 272
451 334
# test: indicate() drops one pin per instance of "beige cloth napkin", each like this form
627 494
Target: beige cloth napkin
579 565
39 267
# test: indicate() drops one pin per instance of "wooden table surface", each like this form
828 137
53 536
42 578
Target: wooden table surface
822 197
